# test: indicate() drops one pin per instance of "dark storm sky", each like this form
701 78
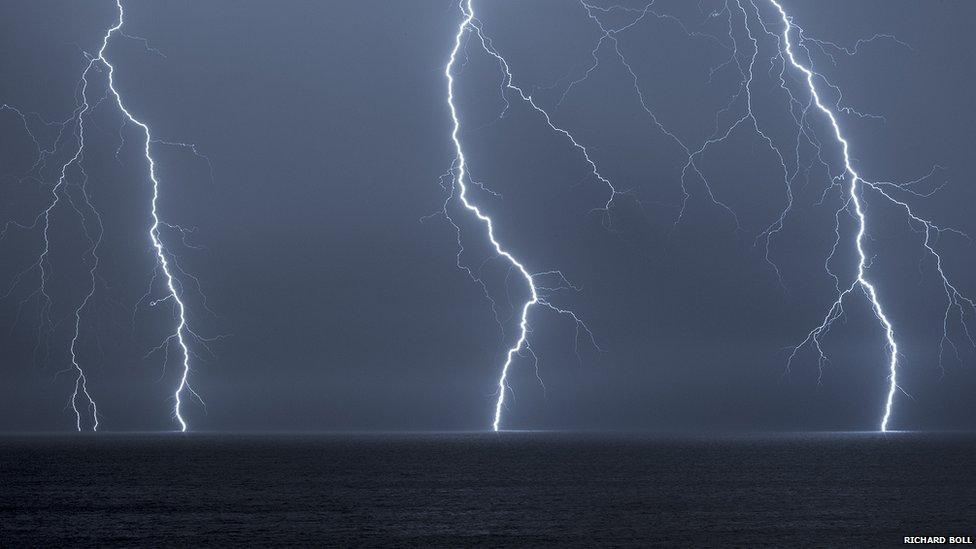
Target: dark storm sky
327 128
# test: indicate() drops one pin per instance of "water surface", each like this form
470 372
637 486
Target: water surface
532 489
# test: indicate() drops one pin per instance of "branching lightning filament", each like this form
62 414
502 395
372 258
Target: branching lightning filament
81 401
856 187
461 179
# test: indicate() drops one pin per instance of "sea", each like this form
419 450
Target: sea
513 489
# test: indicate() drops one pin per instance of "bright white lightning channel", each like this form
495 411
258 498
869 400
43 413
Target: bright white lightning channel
958 306
855 189
179 334
461 178
83 109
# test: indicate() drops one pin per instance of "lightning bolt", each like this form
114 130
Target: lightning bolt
166 264
179 333
855 193
459 170
959 307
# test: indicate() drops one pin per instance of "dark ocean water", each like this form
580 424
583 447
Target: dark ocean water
527 489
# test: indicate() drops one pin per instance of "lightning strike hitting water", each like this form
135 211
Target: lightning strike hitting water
461 178
181 327
165 263
956 303
855 191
